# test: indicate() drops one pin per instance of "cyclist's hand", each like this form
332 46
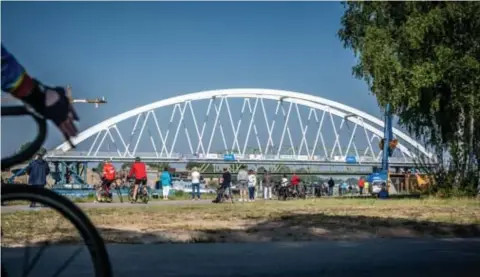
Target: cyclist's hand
59 110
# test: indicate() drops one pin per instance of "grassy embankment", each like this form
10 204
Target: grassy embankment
313 219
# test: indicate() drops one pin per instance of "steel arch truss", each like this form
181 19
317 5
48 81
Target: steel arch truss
281 145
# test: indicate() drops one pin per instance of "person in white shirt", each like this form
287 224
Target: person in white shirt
242 182
283 187
252 182
267 186
195 175
284 182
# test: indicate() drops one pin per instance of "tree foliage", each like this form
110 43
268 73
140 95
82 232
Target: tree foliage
158 166
99 167
200 166
423 58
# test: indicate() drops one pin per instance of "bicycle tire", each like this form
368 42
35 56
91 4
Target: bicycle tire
34 146
146 198
93 240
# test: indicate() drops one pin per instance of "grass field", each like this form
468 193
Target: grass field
316 219
90 199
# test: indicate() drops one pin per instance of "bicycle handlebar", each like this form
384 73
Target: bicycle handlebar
36 144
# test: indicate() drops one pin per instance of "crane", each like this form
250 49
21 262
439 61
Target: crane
97 101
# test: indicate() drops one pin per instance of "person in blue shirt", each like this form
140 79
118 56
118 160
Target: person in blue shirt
166 181
343 188
37 171
383 194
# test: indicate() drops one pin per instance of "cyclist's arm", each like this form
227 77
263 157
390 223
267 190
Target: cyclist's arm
16 80
132 171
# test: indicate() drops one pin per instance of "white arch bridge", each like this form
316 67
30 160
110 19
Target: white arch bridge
261 126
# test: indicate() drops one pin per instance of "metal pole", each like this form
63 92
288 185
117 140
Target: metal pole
387 135
85 168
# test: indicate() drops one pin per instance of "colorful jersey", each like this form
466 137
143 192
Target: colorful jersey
139 170
295 180
108 171
361 183
15 79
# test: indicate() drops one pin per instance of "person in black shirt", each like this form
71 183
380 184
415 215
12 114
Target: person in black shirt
331 184
225 183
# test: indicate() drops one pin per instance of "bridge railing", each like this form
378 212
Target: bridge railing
221 157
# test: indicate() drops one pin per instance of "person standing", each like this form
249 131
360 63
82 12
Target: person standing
166 180
295 181
331 185
195 183
343 188
225 182
267 186
37 171
361 185
252 182
242 179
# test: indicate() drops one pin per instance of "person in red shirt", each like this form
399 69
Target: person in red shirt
295 181
108 176
139 172
361 185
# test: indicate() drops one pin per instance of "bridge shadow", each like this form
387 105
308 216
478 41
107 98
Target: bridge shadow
301 227
288 227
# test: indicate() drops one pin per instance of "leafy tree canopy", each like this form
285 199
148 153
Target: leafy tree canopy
420 57
423 58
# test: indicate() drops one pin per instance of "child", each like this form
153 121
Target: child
252 181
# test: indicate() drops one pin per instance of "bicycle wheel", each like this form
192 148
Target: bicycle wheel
93 240
145 198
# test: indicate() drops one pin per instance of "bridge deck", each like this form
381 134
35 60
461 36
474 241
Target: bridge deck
219 159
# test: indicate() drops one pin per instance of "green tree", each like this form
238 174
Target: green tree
99 167
422 58
158 166
203 167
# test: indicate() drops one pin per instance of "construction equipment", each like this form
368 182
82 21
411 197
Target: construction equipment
98 101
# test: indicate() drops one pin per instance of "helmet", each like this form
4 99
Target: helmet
137 159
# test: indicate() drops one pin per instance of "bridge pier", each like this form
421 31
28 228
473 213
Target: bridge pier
70 172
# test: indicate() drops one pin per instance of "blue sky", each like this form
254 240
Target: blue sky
135 53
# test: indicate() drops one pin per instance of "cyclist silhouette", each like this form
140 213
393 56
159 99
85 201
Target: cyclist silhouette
50 102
